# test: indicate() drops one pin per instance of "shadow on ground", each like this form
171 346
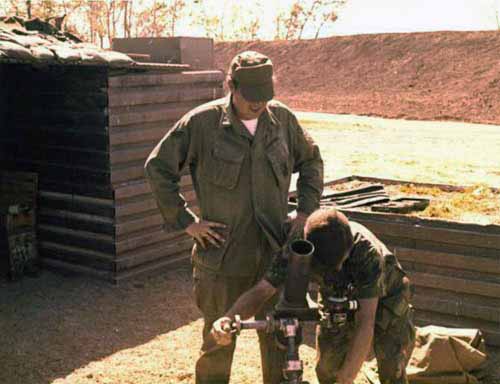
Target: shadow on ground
75 330
53 324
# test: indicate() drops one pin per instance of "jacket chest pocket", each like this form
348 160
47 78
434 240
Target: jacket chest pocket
225 164
278 154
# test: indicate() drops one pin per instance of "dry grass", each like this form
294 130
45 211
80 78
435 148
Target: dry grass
421 151
479 204
74 330
433 152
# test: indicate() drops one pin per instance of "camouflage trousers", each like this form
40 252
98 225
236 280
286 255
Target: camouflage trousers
214 296
393 343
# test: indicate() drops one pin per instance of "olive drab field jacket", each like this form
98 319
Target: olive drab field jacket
240 180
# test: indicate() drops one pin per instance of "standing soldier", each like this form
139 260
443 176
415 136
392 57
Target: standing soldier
241 152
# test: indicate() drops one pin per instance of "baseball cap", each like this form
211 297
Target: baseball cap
253 72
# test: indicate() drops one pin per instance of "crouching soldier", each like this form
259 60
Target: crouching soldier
348 261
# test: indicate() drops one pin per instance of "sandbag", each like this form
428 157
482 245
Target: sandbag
5 36
15 51
116 59
446 355
91 55
36 40
65 54
29 41
42 53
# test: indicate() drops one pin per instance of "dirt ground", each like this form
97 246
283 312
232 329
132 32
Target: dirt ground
69 329
421 76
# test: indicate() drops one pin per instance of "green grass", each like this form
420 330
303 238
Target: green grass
422 151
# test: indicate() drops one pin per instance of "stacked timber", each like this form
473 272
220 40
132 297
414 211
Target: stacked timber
141 109
454 267
3 109
86 131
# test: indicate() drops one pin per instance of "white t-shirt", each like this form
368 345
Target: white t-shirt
251 125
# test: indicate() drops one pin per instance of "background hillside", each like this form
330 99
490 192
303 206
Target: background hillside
424 76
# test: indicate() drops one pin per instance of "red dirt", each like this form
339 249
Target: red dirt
420 76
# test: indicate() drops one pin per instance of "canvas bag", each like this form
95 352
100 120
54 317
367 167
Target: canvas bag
441 356
446 355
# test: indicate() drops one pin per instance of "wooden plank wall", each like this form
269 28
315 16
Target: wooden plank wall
57 127
4 261
3 108
56 124
87 134
454 267
142 108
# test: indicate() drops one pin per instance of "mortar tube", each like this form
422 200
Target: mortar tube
299 265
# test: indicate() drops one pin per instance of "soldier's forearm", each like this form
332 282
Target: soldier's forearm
164 185
251 301
359 349
363 335
310 186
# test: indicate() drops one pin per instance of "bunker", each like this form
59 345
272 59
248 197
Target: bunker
85 124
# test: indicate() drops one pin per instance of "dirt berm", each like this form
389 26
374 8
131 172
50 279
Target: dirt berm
423 76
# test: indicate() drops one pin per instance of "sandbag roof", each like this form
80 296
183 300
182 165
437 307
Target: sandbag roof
39 42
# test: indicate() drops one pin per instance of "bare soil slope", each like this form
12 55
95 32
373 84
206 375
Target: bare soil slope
423 76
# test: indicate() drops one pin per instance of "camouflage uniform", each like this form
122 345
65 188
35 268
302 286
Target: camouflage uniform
241 181
369 271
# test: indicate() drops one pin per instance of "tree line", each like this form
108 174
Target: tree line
99 21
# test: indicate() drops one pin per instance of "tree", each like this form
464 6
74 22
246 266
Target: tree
175 11
28 8
292 23
103 20
161 18
96 18
235 21
209 19
325 18
313 14
245 21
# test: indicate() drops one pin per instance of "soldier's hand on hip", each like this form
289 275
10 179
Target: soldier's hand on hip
205 233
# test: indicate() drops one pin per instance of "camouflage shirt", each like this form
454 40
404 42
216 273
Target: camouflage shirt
370 270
